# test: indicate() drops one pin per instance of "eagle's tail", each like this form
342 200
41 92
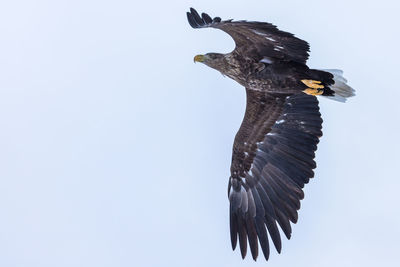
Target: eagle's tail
341 91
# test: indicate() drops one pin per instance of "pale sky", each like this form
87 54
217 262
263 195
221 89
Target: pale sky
115 148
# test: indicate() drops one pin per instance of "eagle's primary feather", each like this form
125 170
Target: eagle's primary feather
274 149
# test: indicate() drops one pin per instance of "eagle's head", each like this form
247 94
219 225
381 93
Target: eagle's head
224 63
213 60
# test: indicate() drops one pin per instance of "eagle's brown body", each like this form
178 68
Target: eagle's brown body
274 149
278 77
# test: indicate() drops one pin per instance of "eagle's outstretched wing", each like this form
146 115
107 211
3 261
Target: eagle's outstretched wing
256 40
273 157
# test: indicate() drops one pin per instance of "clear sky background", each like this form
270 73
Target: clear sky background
115 148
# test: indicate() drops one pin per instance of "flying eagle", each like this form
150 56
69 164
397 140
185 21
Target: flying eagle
274 149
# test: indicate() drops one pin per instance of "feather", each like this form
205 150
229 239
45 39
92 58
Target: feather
274 232
242 236
251 204
233 226
196 17
284 224
191 20
216 20
206 18
262 236
252 236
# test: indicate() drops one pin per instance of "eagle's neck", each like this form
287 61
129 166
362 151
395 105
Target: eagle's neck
237 68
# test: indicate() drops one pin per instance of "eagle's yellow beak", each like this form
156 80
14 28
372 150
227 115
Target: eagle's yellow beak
198 58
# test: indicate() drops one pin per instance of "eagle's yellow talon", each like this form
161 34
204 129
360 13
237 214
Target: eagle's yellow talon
312 84
311 91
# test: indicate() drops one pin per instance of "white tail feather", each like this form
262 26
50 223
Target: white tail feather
342 90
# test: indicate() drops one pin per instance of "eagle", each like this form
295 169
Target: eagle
274 149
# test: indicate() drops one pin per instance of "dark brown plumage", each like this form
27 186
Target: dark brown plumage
274 149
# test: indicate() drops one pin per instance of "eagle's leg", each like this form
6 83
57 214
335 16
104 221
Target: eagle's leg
315 87
311 91
313 84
